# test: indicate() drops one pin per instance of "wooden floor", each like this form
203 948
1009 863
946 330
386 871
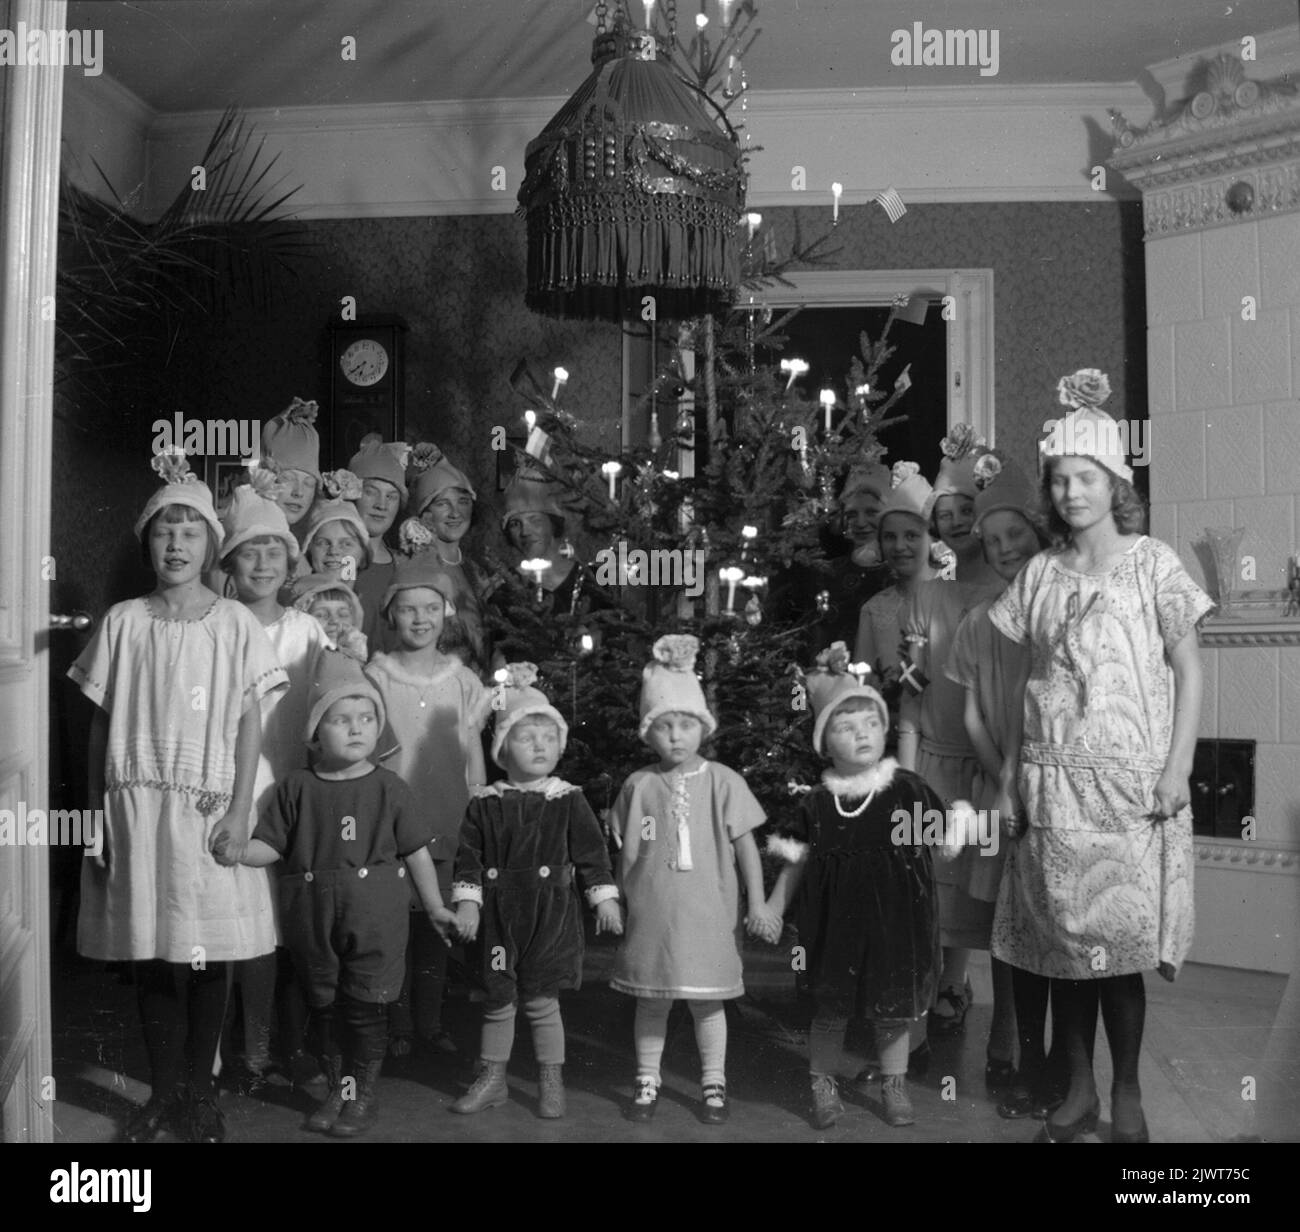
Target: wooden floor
1212 1039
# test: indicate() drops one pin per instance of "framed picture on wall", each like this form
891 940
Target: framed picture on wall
223 475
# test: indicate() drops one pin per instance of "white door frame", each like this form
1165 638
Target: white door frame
29 200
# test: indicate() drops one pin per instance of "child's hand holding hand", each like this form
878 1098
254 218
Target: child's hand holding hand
609 919
1011 813
444 922
764 924
229 840
466 918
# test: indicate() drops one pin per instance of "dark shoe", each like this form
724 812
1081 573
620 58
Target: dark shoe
1016 1104
322 1120
827 1107
362 1111
1049 1097
1068 1132
1138 1135
146 1122
644 1102
918 1060
489 1089
959 1002
897 1102
999 1075
206 1124
304 1070
440 1042
713 1108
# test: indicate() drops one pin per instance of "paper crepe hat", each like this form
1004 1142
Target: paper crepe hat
1086 431
522 700
1004 485
254 514
669 684
868 477
181 486
336 673
961 447
341 489
531 490
305 590
830 684
909 492
432 474
377 459
292 440
424 571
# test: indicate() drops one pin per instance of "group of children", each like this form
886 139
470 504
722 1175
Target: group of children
240 734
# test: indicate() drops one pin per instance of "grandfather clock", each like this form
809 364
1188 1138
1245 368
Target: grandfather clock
367 383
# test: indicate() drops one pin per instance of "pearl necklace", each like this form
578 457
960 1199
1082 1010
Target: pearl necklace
460 554
857 812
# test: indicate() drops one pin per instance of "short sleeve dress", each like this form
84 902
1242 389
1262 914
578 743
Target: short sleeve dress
174 691
437 719
984 660
1096 887
683 934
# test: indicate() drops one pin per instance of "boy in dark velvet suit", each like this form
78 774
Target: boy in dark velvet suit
525 846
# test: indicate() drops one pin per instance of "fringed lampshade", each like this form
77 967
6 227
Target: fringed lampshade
632 190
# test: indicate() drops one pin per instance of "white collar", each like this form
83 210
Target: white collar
862 784
550 787
386 663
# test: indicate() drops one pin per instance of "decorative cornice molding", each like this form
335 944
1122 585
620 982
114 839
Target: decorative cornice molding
1230 153
1250 633
1247 855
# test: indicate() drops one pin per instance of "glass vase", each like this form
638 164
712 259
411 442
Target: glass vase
1225 543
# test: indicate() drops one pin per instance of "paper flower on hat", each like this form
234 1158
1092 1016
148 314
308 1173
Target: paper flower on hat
962 441
520 675
299 411
413 536
677 651
987 468
834 659
352 642
902 472
265 479
173 466
1089 387
941 555
424 455
342 484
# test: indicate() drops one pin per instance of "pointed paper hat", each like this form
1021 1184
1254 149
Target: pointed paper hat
422 571
956 475
336 673
1086 431
1004 485
909 492
292 440
830 684
521 700
377 459
669 684
305 589
432 474
341 489
181 486
253 514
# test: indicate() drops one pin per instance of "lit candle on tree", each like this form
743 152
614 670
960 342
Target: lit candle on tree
827 399
861 671
796 368
649 13
836 190
530 420
561 377
611 471
753 220
537 567
731 574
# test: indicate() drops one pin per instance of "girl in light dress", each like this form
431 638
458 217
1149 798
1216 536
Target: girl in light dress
178 675
1098 887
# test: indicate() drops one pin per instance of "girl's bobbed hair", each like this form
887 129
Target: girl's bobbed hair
180 513
1128 508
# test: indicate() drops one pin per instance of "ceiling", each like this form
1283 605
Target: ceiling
190 55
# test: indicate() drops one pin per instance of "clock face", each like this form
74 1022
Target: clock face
364 362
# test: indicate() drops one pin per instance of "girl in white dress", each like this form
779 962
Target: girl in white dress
1099 886
178 676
